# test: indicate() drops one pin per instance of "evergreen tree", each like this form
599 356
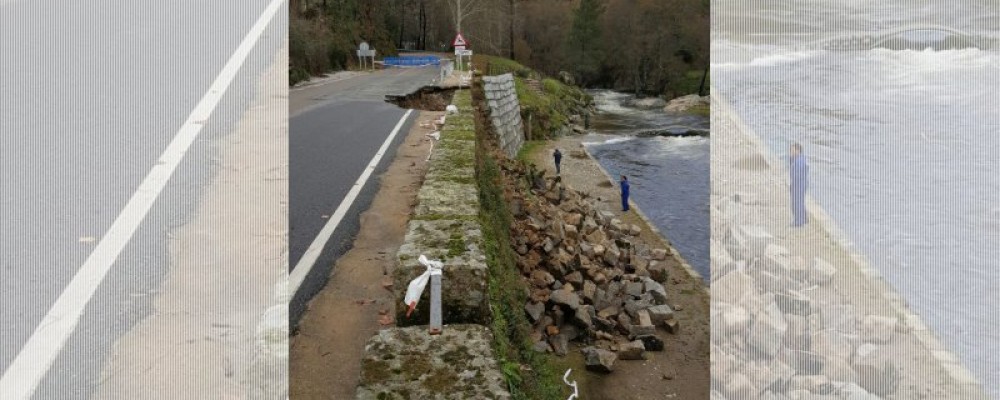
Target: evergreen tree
584 47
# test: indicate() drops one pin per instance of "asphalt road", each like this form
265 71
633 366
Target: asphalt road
336 127
91 95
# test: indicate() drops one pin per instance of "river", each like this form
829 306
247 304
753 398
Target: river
669 174
901 142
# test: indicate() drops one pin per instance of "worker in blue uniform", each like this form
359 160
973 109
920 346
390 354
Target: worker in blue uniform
625 189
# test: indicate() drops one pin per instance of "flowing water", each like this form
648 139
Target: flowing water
901 141
668 173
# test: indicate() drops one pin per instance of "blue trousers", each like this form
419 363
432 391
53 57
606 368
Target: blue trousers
624 202
799 216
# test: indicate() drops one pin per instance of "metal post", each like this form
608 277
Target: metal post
435 327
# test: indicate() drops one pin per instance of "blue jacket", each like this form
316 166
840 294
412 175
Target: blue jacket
624 188
799 171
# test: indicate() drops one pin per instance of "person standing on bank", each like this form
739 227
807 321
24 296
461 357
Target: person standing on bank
799 171
625 188
557 155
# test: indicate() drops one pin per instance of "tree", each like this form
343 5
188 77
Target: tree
511 17
584 47
462 9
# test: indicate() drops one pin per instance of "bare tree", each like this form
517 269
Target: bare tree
462 9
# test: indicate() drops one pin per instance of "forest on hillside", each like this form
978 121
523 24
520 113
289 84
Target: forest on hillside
655 47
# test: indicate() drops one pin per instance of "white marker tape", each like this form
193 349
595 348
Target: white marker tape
417 285
576 393
24 373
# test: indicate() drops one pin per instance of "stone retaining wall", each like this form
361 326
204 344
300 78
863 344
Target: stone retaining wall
505 112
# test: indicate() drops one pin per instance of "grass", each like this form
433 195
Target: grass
704 111
528 150
690 82
493 65
544 112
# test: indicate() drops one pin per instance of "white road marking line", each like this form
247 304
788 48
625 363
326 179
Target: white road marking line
21 378
308 260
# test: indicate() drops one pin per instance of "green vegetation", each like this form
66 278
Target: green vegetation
500 66
702 110
511 328
691 82
456 245
641 46
584 46
528 149
545 108
323 35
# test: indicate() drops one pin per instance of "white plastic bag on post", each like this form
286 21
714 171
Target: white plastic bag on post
417 285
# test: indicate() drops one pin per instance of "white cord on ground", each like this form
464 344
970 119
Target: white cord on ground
576 392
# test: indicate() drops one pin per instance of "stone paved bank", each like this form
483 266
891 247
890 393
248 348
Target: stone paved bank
797 313
406 362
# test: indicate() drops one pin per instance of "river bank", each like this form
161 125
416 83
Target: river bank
799 311
681 370
900 137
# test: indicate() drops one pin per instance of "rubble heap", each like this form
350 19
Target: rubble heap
591 278
764 315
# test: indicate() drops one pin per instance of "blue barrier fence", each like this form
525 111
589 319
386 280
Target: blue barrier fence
411 61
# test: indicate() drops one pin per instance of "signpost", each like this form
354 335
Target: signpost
460 50
459 40
364 52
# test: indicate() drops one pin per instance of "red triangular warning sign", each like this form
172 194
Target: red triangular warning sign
459 40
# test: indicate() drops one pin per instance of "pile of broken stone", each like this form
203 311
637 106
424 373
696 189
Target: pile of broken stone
775 337
592 279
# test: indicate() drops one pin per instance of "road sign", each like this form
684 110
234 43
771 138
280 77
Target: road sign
459 41
463 52
365 51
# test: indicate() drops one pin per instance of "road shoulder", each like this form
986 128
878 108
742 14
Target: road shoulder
226 267
326 352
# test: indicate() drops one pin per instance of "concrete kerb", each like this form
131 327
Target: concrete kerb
407 361
819 216
445 226
670 247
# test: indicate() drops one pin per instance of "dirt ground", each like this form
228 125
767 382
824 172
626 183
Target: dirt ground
325 355
681 371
